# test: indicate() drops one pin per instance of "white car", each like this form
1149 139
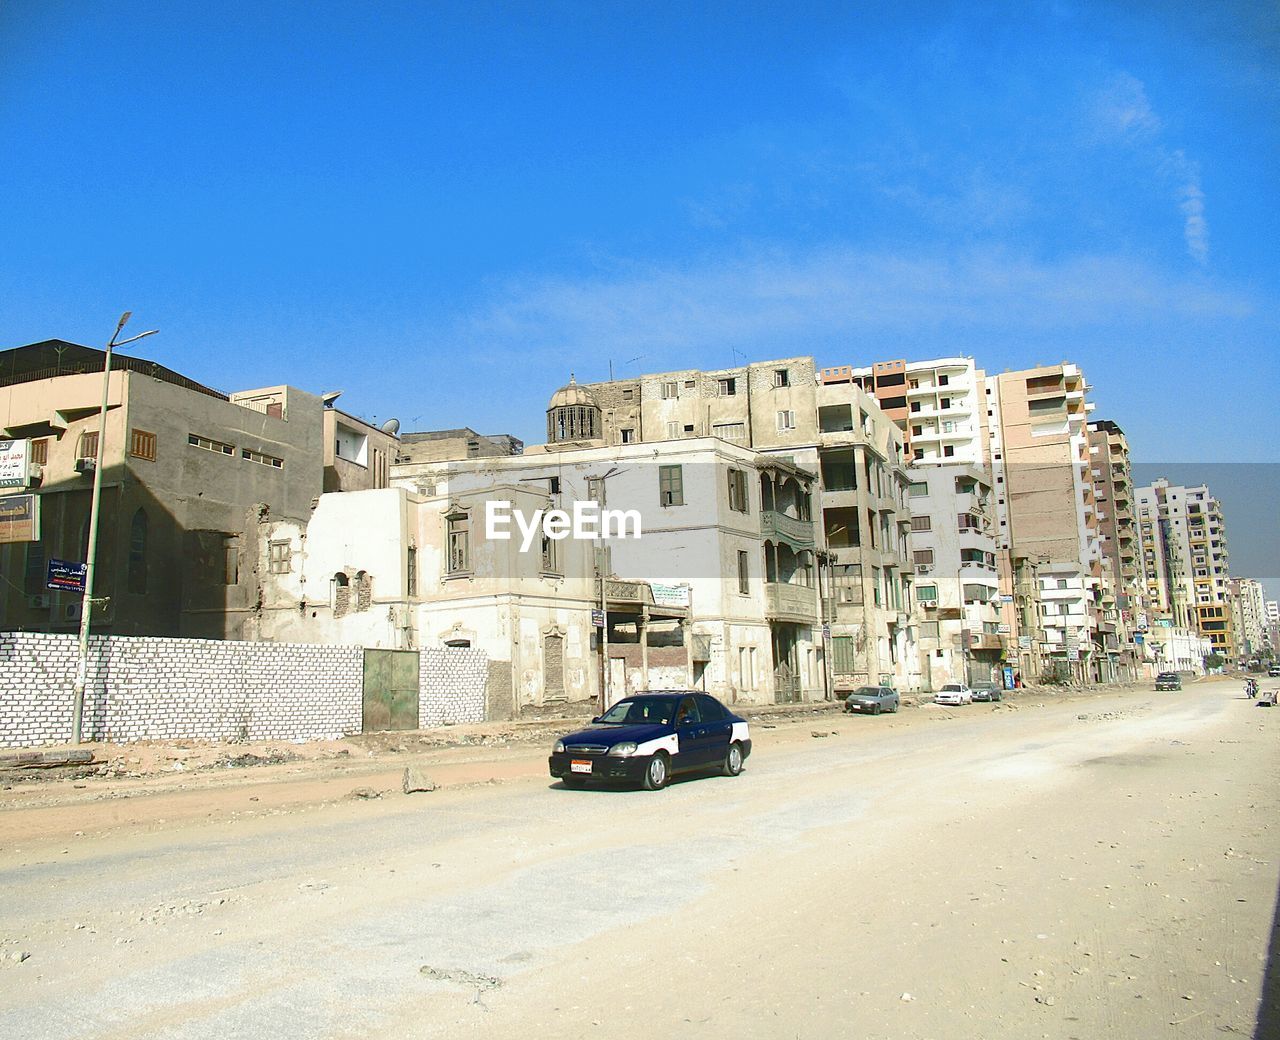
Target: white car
954 693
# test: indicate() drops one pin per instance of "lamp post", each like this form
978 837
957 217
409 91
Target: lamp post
604 599
91 551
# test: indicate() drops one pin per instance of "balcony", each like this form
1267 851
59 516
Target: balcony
794 603
776 526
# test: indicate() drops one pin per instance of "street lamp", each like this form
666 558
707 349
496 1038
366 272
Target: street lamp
604 599
91 551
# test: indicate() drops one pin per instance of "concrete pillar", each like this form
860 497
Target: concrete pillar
686 633
643 625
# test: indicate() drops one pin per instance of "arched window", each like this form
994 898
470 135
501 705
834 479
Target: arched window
138 553
341 594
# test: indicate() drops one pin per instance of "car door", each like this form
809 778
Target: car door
719 729
691 735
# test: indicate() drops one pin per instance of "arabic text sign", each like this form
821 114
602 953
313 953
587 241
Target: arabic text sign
19 518
66 576
13 463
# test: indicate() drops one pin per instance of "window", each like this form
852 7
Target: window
917 431
626 436
844 654
786 420
137 576
87 447
927 593
549 555
915 406
673 430
553 485
944 402
595 489
781 377
921 523
919 489
280 558
142 445
40 451
744 573
670 390
948 450
928 630
738 491
275 409
670 486
261 459
846 581
196 441
458 539
917 453
688 428
35 575
727 387
923 557
730 431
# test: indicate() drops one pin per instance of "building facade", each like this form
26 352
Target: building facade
188 473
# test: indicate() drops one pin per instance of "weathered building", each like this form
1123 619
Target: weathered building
187 474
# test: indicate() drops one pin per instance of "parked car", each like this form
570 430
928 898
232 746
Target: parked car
649 738
988 691
1274 671
1168 681
954 693
872 700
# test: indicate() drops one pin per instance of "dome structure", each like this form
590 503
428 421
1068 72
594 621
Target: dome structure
573 415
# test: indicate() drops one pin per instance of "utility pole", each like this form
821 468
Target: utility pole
91 550
604 598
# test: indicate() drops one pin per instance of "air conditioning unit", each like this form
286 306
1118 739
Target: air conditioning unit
924 568
86 465
40 602
35 473
71 611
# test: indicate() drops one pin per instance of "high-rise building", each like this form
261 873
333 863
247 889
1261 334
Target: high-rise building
1037 439
1186 558
1249 618
1122 600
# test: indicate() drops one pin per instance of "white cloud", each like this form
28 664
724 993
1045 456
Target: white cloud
813 303
1122 109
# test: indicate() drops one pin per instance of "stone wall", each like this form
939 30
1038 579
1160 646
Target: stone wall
151 688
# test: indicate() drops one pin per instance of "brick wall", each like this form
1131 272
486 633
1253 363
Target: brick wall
147 688
452 685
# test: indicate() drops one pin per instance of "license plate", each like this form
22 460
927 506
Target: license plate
577 766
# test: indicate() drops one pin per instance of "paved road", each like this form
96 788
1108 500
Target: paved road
975 873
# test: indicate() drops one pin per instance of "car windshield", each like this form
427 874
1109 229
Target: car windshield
638 710
952 688
1168 675
866 691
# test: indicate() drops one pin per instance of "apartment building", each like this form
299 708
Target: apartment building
838 431
720 591
1185 550
188 475
1249 618
1037 439
962 630
937 404
1121 596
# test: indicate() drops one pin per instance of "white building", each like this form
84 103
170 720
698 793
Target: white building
720 590
962 635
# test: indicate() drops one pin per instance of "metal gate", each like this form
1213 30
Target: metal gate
390 690
786 686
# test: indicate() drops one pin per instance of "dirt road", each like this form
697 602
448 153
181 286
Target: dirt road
1106 867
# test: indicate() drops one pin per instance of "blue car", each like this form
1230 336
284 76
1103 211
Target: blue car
648 738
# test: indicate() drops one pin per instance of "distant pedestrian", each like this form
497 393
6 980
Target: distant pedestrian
1017 680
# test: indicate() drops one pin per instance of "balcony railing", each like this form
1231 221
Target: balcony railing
796 533
796 603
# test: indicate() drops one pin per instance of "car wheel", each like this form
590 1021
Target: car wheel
657 772
732 760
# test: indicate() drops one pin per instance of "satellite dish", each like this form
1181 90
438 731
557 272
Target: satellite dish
391 426
330 397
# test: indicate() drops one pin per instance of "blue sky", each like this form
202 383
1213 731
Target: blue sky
443 209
